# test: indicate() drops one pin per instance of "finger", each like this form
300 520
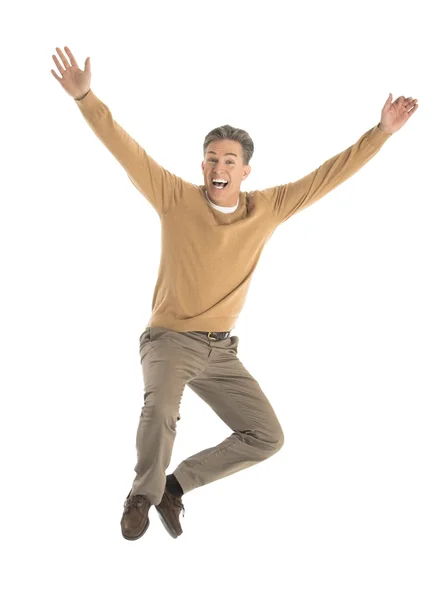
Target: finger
71 57
412 111
57 62
56 76
62 56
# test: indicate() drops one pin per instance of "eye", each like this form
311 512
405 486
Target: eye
215 160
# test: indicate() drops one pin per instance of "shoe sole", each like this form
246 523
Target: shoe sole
166 525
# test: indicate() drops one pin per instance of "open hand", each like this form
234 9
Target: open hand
73 80
394 115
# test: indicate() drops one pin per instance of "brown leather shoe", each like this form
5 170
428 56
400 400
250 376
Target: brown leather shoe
169 511
135 520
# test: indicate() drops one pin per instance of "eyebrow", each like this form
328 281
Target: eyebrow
212 152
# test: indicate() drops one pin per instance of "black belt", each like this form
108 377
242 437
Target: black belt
219 335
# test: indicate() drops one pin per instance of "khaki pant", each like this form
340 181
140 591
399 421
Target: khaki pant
170 360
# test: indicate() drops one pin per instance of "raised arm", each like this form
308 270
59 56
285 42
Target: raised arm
160 187
292 197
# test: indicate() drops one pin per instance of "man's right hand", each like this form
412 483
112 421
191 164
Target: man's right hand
73 80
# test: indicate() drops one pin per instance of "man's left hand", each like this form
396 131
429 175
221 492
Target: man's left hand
394 115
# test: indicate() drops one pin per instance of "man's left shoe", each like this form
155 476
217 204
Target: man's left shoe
169 511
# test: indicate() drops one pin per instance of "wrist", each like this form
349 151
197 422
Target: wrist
82 96
382 128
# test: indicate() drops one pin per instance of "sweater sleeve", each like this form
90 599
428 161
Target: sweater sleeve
290 198
160 187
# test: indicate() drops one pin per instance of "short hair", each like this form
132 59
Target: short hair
226 132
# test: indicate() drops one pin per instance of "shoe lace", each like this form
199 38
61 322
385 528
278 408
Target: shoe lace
136 500
178 503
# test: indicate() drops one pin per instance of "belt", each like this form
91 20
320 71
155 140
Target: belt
219 335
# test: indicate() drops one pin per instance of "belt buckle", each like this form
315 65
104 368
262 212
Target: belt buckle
209 335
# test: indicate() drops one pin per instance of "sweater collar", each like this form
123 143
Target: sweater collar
224 209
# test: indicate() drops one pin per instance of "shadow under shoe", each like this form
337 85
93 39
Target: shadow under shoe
135 520
169 511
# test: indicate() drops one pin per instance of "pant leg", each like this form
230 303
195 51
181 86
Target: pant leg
168 363
236 397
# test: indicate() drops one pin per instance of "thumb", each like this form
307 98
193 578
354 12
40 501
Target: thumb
388 102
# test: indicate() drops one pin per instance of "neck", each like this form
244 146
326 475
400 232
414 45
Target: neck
229 202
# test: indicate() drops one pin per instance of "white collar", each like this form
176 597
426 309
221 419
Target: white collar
224 209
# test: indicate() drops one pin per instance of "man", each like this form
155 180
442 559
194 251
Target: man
212 239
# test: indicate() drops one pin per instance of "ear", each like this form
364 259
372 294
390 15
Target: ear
203 165
246 171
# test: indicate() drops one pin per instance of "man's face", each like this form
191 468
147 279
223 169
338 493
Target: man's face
224 160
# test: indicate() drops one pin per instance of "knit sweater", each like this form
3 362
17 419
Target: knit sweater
208 256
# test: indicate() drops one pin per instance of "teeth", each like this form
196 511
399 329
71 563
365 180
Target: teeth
219 181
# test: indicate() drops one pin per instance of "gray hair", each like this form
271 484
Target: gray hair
226 132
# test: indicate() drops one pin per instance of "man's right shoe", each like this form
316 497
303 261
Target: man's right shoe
169 511
135 520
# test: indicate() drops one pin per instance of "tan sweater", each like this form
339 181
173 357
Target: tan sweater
208 256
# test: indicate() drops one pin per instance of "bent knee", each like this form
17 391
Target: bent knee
269 443
280 440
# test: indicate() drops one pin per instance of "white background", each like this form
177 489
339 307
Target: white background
342 326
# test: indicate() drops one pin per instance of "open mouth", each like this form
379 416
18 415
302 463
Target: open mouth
219 184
